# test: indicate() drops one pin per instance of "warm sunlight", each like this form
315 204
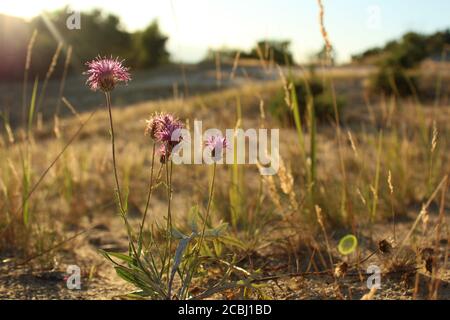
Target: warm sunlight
25 9
195 26
254 152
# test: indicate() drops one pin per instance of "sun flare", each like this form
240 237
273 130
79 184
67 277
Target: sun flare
25 9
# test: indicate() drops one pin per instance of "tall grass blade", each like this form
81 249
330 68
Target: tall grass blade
235 192
32 107
377 178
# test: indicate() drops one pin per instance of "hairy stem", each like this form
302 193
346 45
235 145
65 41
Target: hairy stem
169 224
208 208
149 197
113 147
116 177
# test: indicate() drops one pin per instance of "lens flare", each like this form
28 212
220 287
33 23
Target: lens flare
347 244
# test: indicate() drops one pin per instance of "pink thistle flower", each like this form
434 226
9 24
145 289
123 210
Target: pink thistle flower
152 127
105 73
162 127
217 144
168 132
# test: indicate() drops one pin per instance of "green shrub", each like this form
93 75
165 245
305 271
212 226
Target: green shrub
322 97
393 81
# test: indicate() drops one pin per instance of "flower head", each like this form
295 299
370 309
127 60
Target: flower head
217 144
105 73
152 127
169 134
162 127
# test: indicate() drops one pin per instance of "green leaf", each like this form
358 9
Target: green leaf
32 105
218 248
178 234
178 257
140 280
120 256
193 215
216 232
233 242
26 182
297 119
125 274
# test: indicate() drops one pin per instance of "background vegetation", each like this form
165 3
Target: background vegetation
102 34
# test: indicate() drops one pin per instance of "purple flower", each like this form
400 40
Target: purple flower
105 73
170 134
217 144
162 128
152 127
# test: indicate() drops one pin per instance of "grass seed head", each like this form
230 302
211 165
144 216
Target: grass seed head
340 270
385 247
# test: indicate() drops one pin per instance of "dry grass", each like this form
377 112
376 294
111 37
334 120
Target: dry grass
77 191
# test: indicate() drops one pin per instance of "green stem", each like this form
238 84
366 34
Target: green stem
211 194
202 236
149 197
113 147
119 194
169 224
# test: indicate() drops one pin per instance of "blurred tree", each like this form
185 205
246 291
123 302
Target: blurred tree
269 50
407 52
276 50
149 47
100 34
321 57
225 53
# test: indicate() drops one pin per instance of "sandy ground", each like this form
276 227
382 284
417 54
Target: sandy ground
99 280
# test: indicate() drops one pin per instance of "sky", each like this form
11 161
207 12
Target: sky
194 26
